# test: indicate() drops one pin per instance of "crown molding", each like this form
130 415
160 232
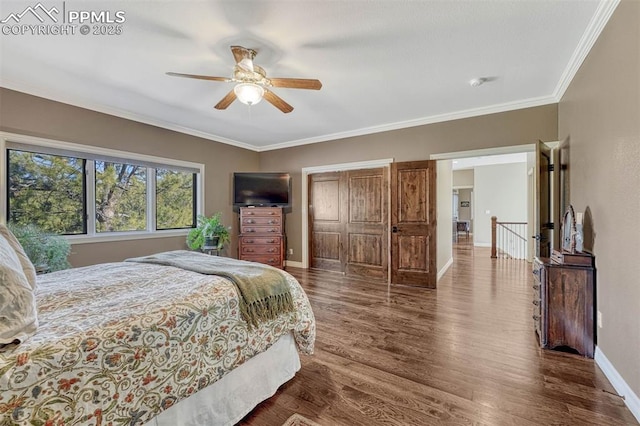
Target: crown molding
469 113
596 25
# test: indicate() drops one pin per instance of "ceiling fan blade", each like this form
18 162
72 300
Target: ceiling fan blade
296 83
226 101
277 101
199 77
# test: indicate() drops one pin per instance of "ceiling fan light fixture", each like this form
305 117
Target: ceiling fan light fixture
249 93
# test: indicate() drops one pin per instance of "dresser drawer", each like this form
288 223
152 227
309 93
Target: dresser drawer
273 260
261 220
261 230
261 249
260 240
262 211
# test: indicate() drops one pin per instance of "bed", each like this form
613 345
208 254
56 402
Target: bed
140 343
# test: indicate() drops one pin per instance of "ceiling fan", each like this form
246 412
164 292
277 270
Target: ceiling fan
252 83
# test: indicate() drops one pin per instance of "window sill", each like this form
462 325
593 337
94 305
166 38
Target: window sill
125 236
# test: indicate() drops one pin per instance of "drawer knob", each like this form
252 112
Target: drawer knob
248 241
271 241
250 250
272 250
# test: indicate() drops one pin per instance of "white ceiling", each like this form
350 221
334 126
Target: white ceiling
383 64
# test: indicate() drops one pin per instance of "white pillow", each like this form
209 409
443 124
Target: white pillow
18 314
27 266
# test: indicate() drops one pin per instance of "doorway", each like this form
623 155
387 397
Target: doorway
486 199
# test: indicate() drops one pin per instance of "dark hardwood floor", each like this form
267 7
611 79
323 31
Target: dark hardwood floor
465 353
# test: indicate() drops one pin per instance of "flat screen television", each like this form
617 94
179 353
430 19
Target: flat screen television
261 189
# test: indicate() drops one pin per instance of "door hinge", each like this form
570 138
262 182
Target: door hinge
548 225
550 168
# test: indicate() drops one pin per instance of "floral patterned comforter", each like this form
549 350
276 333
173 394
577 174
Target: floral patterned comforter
120 342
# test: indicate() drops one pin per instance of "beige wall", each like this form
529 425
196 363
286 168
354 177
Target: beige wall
599 117
463 177
30 115
519 127
508 204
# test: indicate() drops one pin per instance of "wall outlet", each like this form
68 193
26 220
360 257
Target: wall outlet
599 319
290 251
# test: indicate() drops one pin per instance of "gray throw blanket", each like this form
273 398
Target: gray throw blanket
263 290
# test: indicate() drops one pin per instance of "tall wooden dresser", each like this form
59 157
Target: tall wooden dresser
262 237
564 304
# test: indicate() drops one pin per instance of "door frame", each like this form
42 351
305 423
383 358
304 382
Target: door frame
306 171
530 148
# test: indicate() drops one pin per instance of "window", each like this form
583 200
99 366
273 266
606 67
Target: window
48 191
175 199
83 193
121 197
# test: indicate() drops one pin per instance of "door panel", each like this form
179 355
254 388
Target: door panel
415 256
367 227
543 200
326 247
365 199
327 218
325 199
413 223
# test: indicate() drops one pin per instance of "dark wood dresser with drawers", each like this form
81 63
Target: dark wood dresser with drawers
262 235
564 304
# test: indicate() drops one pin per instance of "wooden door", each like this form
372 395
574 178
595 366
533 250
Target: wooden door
348 222
367 249
544 225
327 220
413 223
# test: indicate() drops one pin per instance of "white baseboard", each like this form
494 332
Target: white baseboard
629 397
480 244
444 269
293 263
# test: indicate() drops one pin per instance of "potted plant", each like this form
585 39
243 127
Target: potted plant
48 252
209 233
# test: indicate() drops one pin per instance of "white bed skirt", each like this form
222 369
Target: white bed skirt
231 398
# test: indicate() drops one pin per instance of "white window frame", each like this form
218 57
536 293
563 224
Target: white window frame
68 149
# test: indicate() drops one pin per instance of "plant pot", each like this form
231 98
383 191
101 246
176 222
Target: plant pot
211 243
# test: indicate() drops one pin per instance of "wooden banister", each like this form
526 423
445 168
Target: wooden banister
508 239
494 251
